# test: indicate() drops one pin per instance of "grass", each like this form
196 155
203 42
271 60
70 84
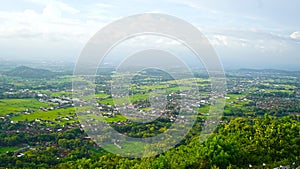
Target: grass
279 91
204 109
177 89
101 95
234 97
98 96
9 149
138 97
117 118
120 101
153 87
146 109
131 147
8 106
56 94
45 115
108 101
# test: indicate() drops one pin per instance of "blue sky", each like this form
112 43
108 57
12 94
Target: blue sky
244 33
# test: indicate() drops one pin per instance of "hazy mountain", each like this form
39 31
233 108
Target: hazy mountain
27 72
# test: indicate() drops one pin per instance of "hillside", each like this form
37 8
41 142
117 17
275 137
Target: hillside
27 72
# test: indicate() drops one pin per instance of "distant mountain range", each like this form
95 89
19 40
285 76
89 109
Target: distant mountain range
28 72
265 70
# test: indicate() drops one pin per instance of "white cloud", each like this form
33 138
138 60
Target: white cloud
220 40
50 24
104 5
295 35
64 6
52 10
270 42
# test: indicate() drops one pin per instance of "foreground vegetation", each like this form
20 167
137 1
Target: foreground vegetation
238 144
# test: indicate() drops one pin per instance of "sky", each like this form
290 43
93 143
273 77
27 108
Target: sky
244 33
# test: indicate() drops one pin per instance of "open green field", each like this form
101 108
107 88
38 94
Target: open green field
133 98
70 94
204 109
131 147
101 95
45 115
8 106
108 101
8 149
117 118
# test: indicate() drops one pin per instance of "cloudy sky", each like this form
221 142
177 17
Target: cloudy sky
244 33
